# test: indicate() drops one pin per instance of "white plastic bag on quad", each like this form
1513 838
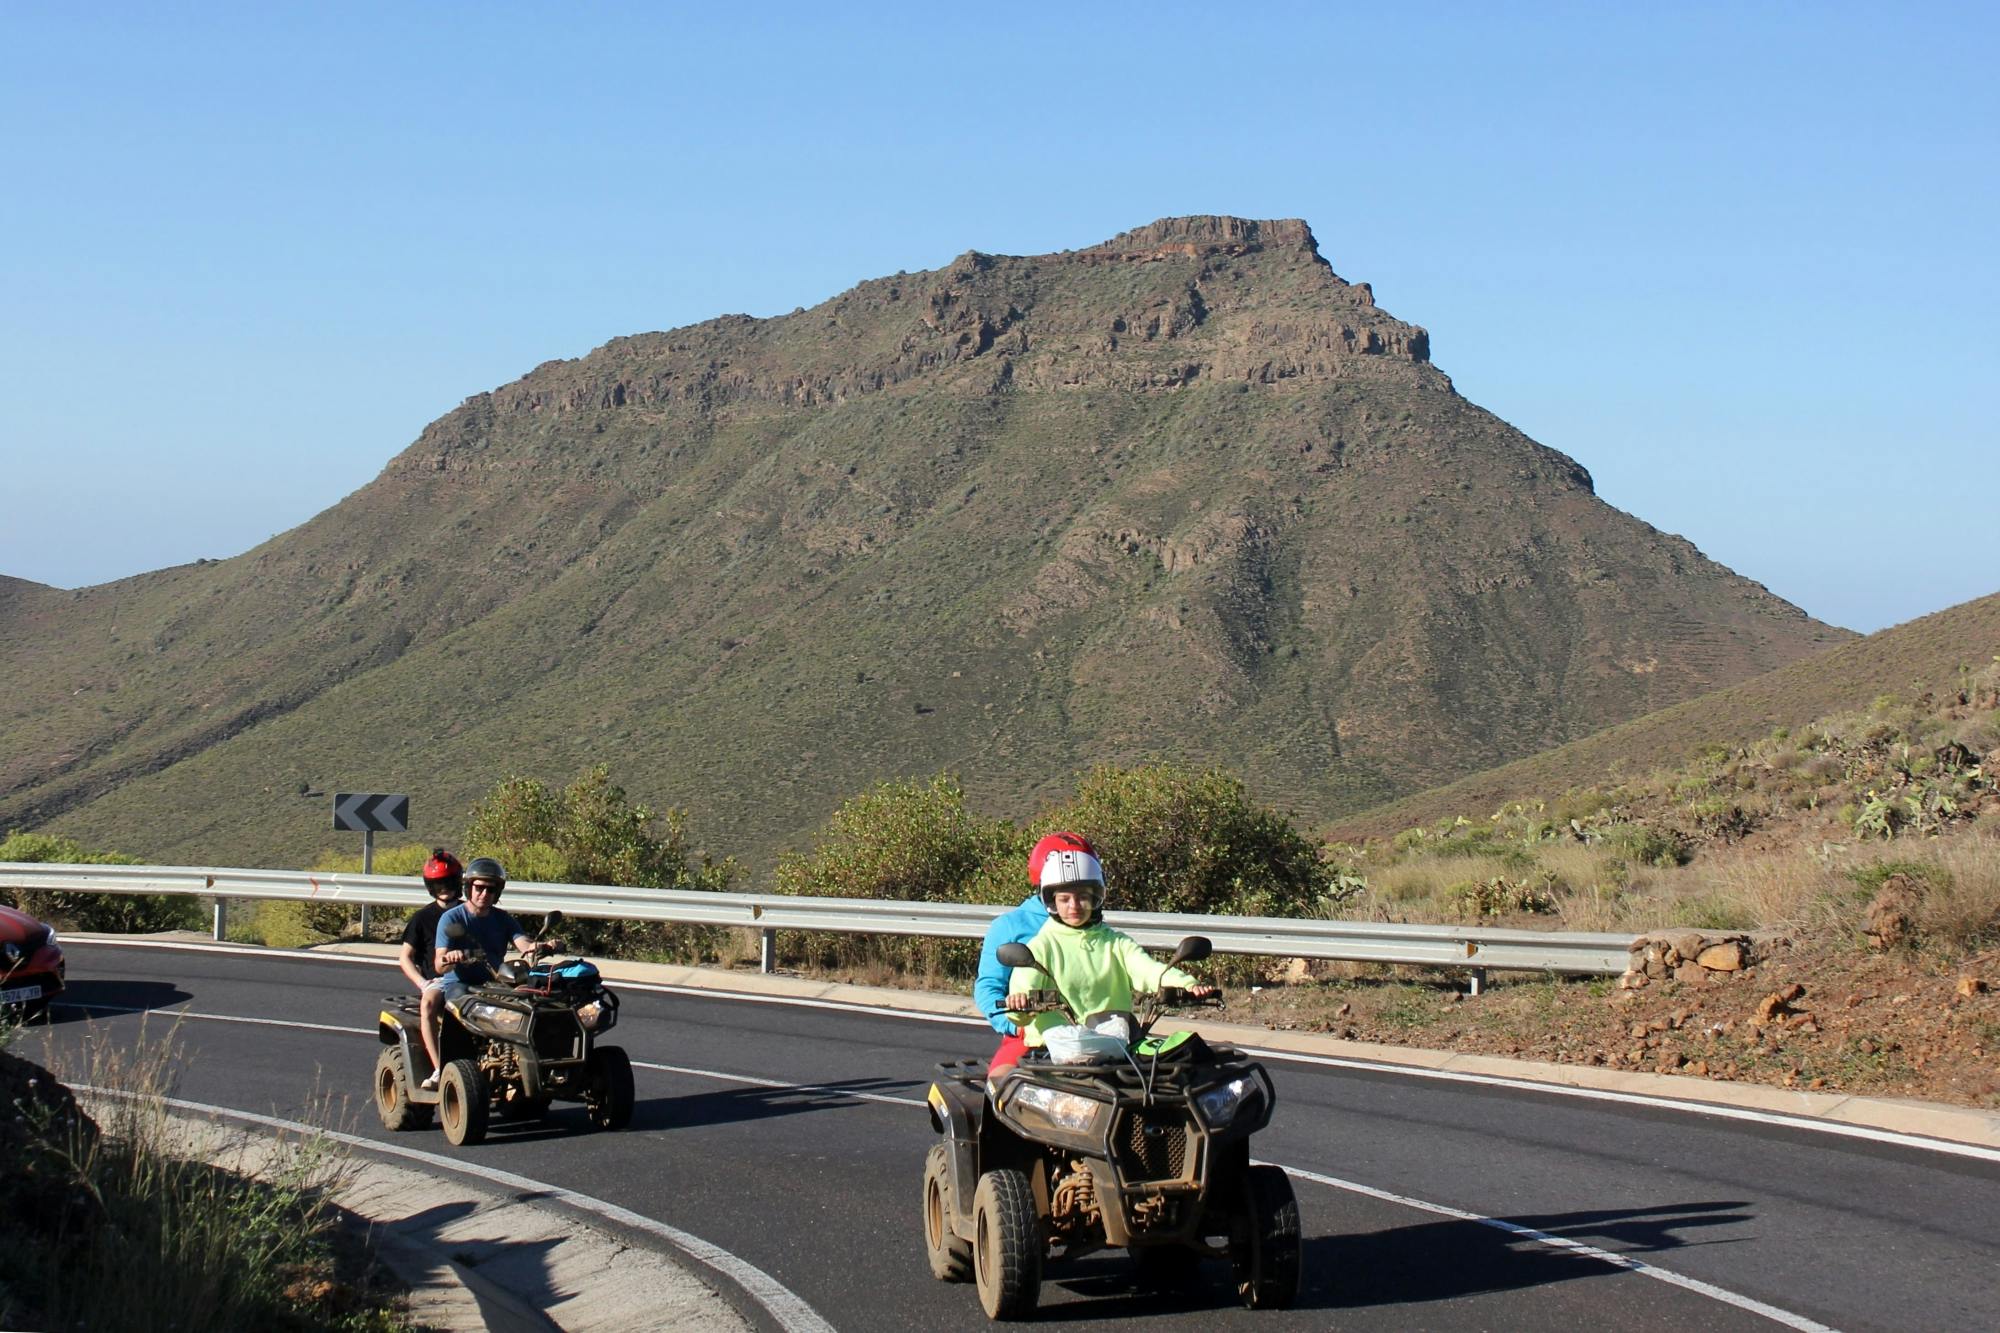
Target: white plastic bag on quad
1073 1044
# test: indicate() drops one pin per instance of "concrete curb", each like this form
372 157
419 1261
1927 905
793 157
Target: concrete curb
1936 1120
476 1258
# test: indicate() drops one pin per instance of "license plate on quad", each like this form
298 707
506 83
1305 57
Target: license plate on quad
19 994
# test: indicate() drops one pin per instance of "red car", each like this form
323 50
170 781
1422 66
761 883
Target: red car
31 963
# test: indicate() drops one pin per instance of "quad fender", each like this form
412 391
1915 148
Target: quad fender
393 1029
958 1111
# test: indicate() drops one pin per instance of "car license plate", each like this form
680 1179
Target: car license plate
20 993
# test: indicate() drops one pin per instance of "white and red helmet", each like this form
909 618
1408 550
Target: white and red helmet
1067 861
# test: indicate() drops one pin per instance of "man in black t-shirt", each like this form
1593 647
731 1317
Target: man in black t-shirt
444 877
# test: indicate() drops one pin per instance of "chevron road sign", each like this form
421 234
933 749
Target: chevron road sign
369 812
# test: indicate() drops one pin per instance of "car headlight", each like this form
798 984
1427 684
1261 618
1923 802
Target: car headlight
1067 1112
588 1014
1221 1104
507 1022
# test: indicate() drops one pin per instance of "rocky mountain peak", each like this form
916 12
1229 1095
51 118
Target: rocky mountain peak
1206 234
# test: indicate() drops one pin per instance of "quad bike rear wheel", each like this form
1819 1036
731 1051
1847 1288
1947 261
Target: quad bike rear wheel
1007 1245
1264 1242
608 1094
951 1258
462 1097
392 1094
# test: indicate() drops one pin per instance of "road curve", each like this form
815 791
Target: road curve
792 1137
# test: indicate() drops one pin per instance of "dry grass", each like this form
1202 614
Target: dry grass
176 1239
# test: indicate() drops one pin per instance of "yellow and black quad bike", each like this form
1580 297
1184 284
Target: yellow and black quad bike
511 1047
1129 1141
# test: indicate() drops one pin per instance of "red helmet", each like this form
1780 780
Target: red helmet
1067 861
443 868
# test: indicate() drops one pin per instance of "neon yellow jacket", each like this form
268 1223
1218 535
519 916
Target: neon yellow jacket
1096 968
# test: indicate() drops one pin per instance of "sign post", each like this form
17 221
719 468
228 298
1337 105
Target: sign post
369 813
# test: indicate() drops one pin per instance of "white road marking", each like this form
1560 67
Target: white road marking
1639 1267
829 1089
1708 1289
784 1305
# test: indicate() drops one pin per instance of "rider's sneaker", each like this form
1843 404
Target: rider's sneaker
430 1084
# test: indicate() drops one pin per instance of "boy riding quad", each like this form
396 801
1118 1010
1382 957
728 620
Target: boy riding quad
524 1038
1104 1136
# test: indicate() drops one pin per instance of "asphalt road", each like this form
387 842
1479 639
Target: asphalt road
793 1136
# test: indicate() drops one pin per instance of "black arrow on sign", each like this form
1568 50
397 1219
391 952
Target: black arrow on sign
370 812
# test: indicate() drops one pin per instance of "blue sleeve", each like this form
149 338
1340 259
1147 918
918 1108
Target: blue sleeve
989 989
443 941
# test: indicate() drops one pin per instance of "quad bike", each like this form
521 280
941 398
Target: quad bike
1148 1149
512 1046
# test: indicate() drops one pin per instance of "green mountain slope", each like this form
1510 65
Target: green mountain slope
1931 655
1184 493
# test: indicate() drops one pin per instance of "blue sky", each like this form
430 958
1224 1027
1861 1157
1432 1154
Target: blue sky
1735 259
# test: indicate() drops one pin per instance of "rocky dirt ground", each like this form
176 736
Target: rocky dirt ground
1803 1014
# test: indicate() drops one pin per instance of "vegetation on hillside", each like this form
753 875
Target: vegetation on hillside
1772 834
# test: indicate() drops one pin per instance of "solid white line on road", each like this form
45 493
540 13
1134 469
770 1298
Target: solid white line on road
178 1014
785 1306
1708 1289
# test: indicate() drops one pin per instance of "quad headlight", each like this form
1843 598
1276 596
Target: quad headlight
1222 1103
588 1014
497 1018
1054 1111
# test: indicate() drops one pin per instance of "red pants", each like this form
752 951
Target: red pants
1010 1053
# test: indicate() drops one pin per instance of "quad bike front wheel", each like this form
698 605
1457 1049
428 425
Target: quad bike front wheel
462 1107
1264 1241
1007 1245
392 1094
608 1094
951 1258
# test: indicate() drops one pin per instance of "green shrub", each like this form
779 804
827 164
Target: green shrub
590 832
1502 896
1176 839
1648 846
904 842
118 913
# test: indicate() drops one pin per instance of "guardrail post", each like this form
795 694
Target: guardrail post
221 918
767 951
1478 980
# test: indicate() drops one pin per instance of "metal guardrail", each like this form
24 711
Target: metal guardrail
1474 949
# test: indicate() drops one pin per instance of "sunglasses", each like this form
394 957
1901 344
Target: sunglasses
485 886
